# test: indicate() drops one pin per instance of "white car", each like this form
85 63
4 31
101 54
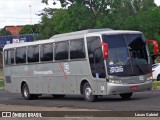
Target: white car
156 71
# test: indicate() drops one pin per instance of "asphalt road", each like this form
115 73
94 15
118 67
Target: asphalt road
142 101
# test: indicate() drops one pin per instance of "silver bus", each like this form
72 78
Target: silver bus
91 63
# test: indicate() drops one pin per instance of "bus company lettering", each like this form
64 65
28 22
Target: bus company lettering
49 72
66 68
116 69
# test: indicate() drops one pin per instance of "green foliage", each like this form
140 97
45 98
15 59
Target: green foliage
46 27
31 29
77 17
4 32
156 85
142 15
1 84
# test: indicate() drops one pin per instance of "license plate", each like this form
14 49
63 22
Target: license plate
134 88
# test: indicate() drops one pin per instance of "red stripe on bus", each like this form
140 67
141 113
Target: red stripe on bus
63 71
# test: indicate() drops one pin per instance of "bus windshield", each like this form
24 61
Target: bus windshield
127 55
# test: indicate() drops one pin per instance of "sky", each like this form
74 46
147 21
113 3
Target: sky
23 12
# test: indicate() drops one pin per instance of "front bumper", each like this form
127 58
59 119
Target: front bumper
113 88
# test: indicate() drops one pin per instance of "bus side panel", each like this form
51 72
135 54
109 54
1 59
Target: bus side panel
52 78
8 79
24 73
81 71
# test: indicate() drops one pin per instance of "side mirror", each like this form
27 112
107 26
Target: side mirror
155 46
105 49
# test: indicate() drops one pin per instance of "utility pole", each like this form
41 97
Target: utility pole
30 14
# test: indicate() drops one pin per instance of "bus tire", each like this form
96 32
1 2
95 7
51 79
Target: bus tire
126 95
26 94
87 93
158 78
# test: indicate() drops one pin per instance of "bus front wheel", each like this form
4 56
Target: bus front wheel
126 95
87 93
26 94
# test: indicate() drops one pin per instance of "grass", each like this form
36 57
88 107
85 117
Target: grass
1 83
156 85
1 73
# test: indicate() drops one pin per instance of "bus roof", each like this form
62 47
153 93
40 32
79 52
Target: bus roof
69 36
82 32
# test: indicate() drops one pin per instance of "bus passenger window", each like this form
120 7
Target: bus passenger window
61 50
77 49
47 52
21 55
33 54
9 57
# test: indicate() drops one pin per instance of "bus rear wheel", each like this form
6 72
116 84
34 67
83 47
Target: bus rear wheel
126 95
26 94
87 93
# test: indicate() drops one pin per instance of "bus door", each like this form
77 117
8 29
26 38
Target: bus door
96 61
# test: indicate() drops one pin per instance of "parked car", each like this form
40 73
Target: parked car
156 71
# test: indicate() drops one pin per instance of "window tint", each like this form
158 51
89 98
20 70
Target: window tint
61 50
96 57
33 54
77 49
47 52
21 55
9 57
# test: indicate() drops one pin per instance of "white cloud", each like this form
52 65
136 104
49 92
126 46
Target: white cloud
17 12
157 2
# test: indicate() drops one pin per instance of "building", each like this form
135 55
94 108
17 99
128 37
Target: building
14 30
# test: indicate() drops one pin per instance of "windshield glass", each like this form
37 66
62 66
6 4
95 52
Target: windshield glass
127 55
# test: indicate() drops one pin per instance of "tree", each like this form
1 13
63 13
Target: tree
96 7
116 14
31 29
76 17
46 27
4 32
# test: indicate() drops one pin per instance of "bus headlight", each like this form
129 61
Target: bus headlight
115 81
149 78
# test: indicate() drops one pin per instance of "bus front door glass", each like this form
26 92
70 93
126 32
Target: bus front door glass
96 57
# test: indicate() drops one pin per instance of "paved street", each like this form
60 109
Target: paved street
149 101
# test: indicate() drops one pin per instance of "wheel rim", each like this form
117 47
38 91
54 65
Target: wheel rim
25 92
88 92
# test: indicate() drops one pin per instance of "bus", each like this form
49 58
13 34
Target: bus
92 63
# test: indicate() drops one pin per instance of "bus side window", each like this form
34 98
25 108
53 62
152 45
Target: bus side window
33 54
61 50
77 49
21 55
47 52
9 57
